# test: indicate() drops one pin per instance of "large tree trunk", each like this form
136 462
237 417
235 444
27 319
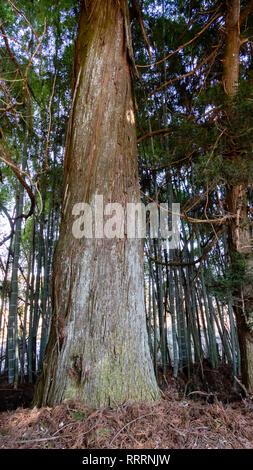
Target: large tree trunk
239 239
98 346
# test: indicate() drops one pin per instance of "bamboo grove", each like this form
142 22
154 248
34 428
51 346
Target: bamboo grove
194 148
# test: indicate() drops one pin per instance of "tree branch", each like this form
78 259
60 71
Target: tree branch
138 14
203 62
182 46
245 13
152 134
191 263
18 172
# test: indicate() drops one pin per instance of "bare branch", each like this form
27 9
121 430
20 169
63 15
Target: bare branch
152 134
245 13
191 263
182 46
139 17
218 221
203 62
18 172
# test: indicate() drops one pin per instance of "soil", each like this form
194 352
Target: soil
12 398
216 383
214 416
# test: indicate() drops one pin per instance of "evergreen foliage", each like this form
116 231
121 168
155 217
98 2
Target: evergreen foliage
191 161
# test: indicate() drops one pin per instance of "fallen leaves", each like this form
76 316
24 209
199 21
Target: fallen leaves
168 424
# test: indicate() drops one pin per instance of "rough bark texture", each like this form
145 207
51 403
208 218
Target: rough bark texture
98 346
239 242
239 238
231 59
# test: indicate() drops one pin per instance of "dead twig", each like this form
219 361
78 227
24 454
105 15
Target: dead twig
241 385
128 424
42 439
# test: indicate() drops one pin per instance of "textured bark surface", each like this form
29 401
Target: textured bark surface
239 238
239 242
231 59
98 346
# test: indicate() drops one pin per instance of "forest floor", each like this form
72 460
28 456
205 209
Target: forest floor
216 417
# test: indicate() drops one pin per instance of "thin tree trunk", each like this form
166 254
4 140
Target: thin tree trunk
12 337
239 240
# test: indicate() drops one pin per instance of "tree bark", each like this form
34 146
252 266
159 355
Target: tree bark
98 346
239 239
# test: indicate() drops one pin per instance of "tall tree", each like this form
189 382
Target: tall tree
98 346
239 236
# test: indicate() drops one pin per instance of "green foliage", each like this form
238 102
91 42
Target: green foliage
224 285
78 415
7 14
208 146
217 170
103 433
